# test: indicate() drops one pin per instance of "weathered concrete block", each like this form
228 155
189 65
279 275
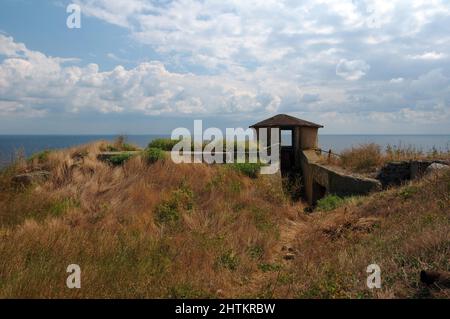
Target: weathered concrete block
347 185
395 173
31 178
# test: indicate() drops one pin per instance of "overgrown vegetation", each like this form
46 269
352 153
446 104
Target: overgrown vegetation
367 158
364 158
120 159
402 230
203 231
164 144
120 144
249 169
160 230
152 155
329 202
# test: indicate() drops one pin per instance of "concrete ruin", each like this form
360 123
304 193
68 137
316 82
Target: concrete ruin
300 156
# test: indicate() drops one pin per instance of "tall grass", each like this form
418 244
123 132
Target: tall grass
367 158
136 230
403 230
160 230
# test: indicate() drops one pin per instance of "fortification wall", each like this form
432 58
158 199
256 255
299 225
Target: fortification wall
331 181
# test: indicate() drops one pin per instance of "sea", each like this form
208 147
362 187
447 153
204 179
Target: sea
25 145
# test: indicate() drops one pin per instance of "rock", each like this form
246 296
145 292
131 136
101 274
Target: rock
436 167
220 293
441 279
31 178
289 256
288 249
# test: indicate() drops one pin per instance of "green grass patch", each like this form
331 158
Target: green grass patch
249 169
169 211
408 192
266 267
152 155
256 252
120 159
40 156
330 202
58 208
228 260
164 144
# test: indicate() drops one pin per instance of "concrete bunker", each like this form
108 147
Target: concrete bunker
300 159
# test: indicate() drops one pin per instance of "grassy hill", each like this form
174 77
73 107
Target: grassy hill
145 227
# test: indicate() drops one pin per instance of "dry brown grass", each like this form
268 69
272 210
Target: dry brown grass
136 230
403 230
193 230
367 158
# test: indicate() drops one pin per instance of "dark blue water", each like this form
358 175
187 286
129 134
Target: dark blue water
30 144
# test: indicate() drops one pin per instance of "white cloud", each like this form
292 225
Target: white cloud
248 57
428 56
397 80
352 69
36 81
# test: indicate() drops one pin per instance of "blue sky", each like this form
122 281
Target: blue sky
144 66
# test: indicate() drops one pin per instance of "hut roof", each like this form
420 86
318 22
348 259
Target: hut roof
284 121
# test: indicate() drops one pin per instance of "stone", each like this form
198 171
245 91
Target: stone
289 256
31 178
436 167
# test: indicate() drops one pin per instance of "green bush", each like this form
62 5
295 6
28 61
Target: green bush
123 147
167 212
152 155
40 156
249 169
329 202
119 159
164 144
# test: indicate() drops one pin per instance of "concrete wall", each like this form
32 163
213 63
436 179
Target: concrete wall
330 180
395 173
308 137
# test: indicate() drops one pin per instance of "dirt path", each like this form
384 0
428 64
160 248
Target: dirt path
265 282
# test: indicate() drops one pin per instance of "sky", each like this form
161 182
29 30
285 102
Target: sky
150 66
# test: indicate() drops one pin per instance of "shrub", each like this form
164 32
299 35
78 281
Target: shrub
152 155
249 169
329 202
164 144
167 212
119 159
